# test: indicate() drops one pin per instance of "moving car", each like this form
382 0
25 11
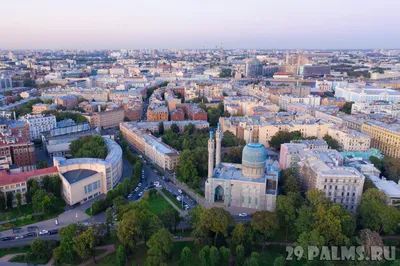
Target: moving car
53 232
43 232
19 237
243 214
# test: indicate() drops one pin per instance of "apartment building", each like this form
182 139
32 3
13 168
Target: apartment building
106 119
385 137
286 100
157 114
17 182
39 124
350 140
69 101
159 152
40 107
323 169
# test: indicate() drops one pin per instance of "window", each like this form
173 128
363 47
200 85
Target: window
242 199
249 200
256 200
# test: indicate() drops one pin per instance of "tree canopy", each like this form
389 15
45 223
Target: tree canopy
89 147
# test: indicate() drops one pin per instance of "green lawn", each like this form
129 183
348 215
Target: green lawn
60 204
172 198
14 250
88 211
158 203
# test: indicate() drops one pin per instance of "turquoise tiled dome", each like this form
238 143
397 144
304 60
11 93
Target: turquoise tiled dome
254 155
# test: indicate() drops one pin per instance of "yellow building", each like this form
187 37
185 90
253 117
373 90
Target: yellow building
385 137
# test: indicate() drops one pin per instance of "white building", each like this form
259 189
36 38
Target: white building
286 100
39 123
367 93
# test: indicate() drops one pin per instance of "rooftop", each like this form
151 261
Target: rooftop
74 176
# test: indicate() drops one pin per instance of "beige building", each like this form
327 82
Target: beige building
157 151
40 107
385 137
350 140
86 178
106 119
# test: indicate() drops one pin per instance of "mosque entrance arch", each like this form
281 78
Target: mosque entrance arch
219 194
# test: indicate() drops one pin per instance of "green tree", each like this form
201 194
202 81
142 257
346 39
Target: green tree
265 224
41 164
253 260
242 235
186 257
225 255
39 249
279 261
85 244
288 182
160 247
376 215
378 163
109 222
66 252
240 256
225 73
204 255
2 202
161 128
9 196
19 201
187 170
32 187
282 137
170 218
332 143
214 256
121 256
175 128
127 233
286 210
347 107
217 220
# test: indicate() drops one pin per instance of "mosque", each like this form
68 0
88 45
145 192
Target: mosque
252 184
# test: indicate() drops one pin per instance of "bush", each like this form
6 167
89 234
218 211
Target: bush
152 193
99 206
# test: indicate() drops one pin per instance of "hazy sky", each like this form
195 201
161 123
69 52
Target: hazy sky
114 24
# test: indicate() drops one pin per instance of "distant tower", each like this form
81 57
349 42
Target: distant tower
211 149
218 138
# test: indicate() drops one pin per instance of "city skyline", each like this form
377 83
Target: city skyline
180 24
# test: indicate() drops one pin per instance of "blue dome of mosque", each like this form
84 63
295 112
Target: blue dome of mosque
254 155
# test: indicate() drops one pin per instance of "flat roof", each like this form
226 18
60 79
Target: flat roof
74 176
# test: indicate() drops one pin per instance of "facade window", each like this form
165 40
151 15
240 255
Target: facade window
249 200
242 199
256 201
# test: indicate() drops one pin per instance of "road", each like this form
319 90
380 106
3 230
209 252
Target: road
25 241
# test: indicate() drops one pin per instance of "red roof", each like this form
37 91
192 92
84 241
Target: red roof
7 179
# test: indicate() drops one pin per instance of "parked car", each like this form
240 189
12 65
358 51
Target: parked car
186 207
243 214
19 237
139 185
7 238
177 237
31 234
130 196
136 189
180 191
140 194
179 198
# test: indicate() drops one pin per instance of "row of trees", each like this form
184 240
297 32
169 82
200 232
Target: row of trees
77 117
89 147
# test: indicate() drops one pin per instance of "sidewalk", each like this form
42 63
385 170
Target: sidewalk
110 249
64 219
182 213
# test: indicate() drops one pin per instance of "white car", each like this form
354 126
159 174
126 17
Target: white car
139 185
136 189
243 214
156 183
187 207
180 191
178 198
140 194
43 232
130 196
19 237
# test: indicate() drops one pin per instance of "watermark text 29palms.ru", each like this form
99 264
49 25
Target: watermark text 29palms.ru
342 253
